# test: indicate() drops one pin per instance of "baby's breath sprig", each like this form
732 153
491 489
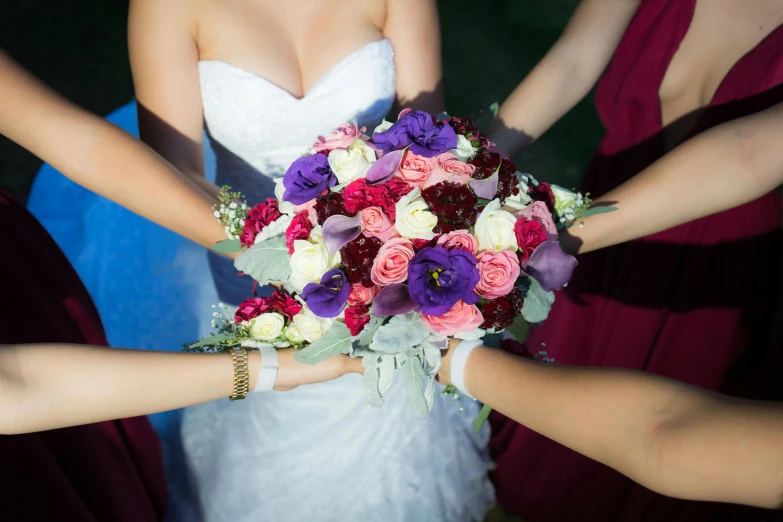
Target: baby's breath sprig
231 212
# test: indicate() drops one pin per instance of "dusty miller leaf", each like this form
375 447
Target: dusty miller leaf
368 332
266 262
412 373
401 333
334 342
371 378
537 302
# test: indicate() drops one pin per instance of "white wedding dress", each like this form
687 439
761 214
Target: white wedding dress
319 453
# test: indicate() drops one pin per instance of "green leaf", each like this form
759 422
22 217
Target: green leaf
227 246
519 329
412 372
212 341
266 262
596 210
481 202
372 380
481 418
336 341
401 333
368 332
538 302
487 116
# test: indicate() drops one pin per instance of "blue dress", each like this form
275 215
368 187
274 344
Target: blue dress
141 276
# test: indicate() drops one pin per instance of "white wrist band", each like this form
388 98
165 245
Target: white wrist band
458 361
267 374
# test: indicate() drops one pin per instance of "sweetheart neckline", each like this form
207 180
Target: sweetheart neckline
320 81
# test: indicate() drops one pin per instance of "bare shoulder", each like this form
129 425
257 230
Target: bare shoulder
174 14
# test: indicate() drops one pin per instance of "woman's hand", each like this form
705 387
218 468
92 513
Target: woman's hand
292 373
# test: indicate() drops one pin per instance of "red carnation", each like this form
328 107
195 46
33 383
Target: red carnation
355 318
396 189
281 301
487 162
358 256
299 228
453 204
500 313
358 196
250 308
329 205
259 217
543 192
529 235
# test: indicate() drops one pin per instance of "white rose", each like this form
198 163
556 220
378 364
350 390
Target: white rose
414 219
521 200
383 127
307 327
352 163
275 228
564 198
310 260
464 151
495 229
283 206
267 327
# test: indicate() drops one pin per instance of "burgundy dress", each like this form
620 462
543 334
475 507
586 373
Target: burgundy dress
693 303
105 472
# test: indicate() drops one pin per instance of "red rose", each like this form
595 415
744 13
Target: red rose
543 192
355 318
529 235
453 204
281 301
250 308
358 257
257 219
299 228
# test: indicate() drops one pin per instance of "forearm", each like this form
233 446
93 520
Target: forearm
720 169
48 386
670 437
551 89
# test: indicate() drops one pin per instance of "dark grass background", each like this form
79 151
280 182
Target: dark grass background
79 48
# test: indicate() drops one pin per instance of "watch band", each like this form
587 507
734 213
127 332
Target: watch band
241 374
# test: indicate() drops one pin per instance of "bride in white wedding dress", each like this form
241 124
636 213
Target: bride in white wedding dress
266 77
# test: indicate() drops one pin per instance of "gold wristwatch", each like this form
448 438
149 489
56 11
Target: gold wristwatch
241 374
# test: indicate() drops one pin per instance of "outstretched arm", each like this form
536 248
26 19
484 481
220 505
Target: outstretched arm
670 437
565 75
722 168
47 386
101 157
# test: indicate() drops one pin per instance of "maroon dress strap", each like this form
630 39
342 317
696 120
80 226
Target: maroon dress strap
104 472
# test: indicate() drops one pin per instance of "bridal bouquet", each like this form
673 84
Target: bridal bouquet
382 247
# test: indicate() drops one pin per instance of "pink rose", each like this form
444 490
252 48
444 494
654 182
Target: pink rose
308 207
414 169
449 168
459 239
377 224
299 228
341 138
360 295
538 212
391 263
497 273
461 318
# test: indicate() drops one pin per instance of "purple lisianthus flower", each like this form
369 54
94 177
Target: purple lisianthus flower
425 137
328 298
306 178
438 278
